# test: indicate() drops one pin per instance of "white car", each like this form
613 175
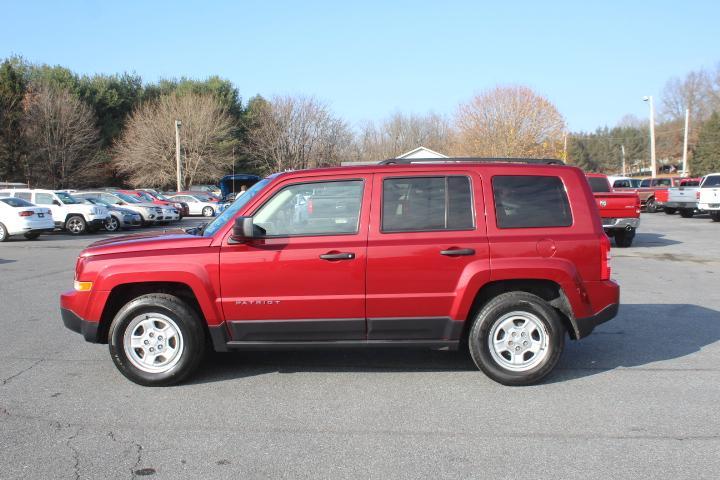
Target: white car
68 212
150 213
20 217
197 204
170 214
709 196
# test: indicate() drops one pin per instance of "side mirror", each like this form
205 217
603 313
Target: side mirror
244 230
57 202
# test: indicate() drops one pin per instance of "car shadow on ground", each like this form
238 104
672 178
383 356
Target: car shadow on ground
643 239
3 261
640 336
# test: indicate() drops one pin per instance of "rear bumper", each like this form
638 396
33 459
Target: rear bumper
585 326
692 205
73 322
621 222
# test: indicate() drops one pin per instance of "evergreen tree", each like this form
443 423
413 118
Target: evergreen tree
707 153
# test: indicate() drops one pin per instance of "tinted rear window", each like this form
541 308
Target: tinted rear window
526 201
599 184
17 202
427 203
713 181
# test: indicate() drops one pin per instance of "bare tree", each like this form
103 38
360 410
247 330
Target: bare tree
146 151
400 133
62 138
295 133
694 92
509 121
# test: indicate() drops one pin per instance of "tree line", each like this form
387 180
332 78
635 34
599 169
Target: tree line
59 129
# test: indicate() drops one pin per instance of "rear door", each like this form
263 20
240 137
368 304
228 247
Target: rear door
305 280
426 243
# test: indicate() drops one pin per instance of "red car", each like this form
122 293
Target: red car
506 258
619 211
158 199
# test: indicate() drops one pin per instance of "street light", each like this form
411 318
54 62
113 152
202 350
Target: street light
178 124
653 167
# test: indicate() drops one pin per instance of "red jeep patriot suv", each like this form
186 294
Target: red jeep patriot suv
503 256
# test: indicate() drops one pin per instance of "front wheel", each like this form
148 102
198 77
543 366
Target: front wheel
208 212
516 339
76 225
112 224
156 340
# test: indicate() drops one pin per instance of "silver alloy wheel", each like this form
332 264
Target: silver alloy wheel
207 212
3 232
153 342
112 224
75 225
518 341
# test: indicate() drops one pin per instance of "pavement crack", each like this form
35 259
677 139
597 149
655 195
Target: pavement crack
4 381
75 451
133 469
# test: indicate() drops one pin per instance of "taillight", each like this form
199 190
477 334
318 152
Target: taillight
605 257
697 195
310 206
26 213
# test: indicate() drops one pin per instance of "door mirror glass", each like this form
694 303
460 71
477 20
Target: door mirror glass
57 202
244 230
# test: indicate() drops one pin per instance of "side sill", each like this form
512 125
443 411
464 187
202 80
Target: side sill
261 345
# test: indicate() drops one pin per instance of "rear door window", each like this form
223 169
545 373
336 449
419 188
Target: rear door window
43 199
415 204
529 201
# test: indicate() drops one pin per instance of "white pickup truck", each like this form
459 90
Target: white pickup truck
683 199
709 199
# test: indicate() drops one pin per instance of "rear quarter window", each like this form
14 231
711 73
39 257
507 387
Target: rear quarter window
530 201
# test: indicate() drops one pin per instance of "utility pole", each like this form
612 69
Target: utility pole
565 159
685 172
178 123
653 165
622 148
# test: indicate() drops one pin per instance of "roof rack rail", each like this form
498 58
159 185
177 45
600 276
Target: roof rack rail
407 161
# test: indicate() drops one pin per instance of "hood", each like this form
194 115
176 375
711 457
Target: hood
143 242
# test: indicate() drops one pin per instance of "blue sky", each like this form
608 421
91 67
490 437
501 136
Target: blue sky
369 59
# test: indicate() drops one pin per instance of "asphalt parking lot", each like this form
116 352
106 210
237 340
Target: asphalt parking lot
640 398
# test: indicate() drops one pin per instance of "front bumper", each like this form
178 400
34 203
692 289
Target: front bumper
132 220
73 322
709 206
97 222
621 222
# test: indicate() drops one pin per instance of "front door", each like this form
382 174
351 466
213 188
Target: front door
305 280
426 246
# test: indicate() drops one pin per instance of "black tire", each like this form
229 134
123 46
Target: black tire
493 312
687 212
112 224
76 225
624 238
3 233
670 211
715 216
208 212
32 235
651 206
192 338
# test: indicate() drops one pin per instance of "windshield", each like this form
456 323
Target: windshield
97 201
599 184
712 181
146 196
127 198
235 207
67 199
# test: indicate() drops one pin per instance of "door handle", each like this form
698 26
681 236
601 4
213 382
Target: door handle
458 252
338 256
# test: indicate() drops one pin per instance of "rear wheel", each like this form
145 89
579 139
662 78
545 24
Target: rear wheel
670 211
624 238
208 212
687 212
651 206
3 233
516 339
76 225
156 340
32 235
715 216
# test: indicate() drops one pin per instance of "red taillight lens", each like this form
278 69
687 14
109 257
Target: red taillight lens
697 195
26 213
605 257
310 206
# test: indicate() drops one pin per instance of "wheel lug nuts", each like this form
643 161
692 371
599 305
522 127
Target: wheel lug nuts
525 343
523 334
159 339
152 334
517 349
510 342
514 334
152 349
146 342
